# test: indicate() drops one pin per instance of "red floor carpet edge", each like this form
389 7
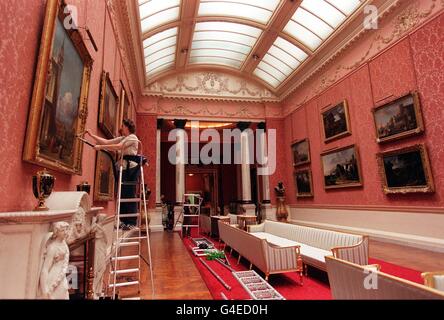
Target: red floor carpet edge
315 286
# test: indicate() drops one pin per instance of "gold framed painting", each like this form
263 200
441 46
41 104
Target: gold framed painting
104 178
124 105
108 108
301 152
335 121
399 118
59 108
406 170
341 168
303 182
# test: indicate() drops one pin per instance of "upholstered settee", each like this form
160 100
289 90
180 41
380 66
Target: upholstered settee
350 281
315 243
267 257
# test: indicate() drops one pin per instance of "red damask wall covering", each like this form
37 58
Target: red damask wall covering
22 24
415 62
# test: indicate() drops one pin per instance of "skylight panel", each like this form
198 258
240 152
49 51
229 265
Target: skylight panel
154 13
256 10
304 35
160 51
312 23
266 77
272 70
346 7
325 11
290 49
223 43
215 60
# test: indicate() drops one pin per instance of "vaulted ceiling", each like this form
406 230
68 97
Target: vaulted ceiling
267 41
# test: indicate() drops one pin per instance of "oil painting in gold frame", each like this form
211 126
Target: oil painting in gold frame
104 178
108 108
58 110
406 170
335 121
303 182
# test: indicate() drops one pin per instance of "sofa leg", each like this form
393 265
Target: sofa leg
238 259
266 276
305 270
251 266
231 251
301 278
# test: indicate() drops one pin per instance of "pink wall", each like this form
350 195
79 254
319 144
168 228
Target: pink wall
22 21
413 63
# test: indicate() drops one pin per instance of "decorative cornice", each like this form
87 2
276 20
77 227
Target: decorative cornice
180 110
409 18
209 86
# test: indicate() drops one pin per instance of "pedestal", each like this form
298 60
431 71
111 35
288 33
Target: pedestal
281 210
249 209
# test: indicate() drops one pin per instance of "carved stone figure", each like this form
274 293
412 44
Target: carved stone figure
101 244
78 226
53 281
281 210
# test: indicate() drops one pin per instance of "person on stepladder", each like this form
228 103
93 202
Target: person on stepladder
127 143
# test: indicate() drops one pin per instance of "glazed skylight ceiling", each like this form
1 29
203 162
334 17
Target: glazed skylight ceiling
255 10
223 43
225 33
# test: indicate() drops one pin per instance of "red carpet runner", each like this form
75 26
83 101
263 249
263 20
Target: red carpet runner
315 285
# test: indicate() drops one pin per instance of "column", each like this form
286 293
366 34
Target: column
158 210
180 168
266 203
247 205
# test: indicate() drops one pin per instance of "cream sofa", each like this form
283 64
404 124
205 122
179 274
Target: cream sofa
314 243
350 281
267 257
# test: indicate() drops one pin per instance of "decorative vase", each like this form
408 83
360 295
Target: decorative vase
42 185
84 186
281 210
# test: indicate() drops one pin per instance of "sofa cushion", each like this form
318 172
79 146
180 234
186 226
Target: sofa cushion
312 255
319 238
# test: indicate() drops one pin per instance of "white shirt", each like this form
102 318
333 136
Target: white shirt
130 147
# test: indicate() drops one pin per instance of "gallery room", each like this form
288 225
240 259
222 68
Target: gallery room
222 150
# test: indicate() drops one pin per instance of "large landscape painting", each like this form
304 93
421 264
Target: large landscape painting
406 170
341 168
399 118
59 103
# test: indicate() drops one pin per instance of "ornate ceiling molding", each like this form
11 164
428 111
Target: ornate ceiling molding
209 85
409 18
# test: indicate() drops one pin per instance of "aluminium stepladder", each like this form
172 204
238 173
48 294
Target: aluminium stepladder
190 212
133 238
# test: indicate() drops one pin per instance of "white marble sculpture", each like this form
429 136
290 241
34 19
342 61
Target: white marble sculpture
53 281
78 226
100 255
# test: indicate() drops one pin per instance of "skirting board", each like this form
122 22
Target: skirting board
426 243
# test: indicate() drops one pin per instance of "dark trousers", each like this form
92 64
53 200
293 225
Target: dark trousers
129 191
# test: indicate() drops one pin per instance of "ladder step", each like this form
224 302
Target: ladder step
128 244
131 298
125 271
129 215
124 284
130 183
136 238
190 215
190 225
129 200
125 258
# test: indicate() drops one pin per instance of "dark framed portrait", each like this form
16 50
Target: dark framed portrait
109 107
335 121
399 118
59 99
341 168
104 178
301 152
406 170
303 182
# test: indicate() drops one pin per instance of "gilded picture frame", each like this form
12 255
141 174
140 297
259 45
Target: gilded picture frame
398 118
124 104
103 178
335 121
304 183
406 170
301 152
341 167
108 107
59 107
